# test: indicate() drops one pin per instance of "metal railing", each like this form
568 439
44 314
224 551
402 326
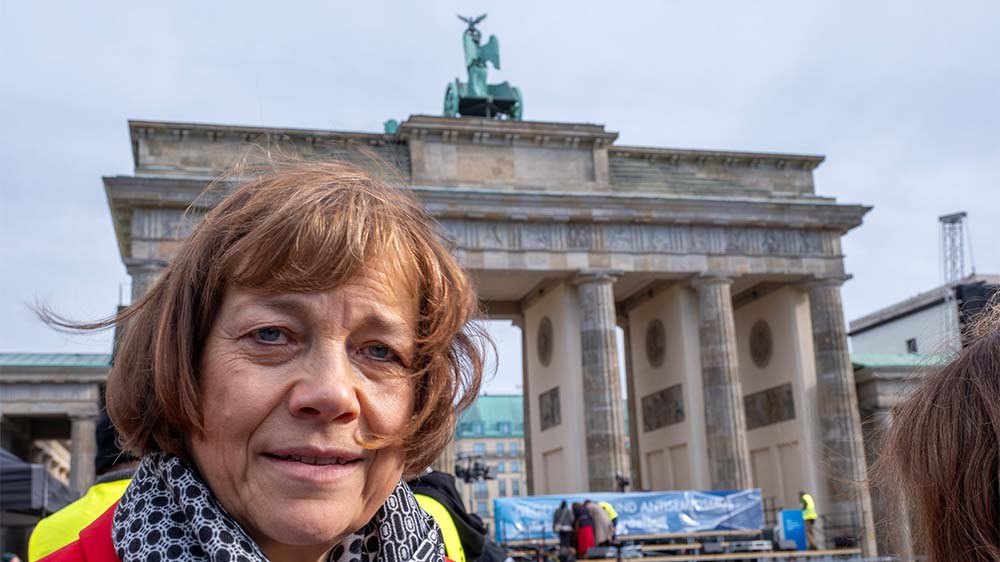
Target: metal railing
770 511
845 533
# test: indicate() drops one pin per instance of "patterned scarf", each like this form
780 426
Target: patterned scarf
168 513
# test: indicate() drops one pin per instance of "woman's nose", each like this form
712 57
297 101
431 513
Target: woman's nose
327 388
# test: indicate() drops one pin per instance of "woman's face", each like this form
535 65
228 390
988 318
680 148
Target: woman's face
288 384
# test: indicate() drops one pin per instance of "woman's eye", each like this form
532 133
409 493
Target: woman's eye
380 352
268 334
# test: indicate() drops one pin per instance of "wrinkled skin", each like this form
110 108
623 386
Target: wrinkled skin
288 384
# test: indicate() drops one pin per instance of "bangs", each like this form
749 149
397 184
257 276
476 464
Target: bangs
320 240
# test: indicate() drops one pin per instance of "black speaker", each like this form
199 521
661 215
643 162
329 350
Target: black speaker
844 542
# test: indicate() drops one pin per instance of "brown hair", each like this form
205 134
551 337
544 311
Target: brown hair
298 227
942 453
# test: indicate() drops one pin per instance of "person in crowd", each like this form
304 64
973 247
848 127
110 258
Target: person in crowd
941 454
465 537
583 530
808 506
114 470
613 516
562 524
10 557
309 346
603 529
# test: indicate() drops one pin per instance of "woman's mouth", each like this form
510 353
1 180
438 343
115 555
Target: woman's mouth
318 461
313 465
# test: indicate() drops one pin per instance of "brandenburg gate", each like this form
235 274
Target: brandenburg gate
723 269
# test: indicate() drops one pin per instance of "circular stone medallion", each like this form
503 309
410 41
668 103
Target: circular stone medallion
761 343
656 343
545 341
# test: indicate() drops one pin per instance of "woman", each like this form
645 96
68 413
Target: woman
562 524
307 348
942 454
583 526
603 529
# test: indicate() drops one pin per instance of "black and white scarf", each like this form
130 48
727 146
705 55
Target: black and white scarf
168 513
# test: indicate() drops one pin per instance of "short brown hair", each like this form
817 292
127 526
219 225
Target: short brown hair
299 227
942 454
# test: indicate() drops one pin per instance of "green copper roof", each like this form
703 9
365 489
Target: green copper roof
493 416
91 360
485 416
897 360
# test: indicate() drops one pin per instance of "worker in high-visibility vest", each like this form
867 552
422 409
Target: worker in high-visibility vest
613 516
114 470
808 505
465 537
449 531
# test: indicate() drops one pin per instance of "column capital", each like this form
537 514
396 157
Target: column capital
585 276
706 279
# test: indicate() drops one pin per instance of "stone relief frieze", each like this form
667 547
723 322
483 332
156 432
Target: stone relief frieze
639 238
538 236
548 408
495 235
773 241
456 231
662 238
813 242
698 240
769 406
619 237
738 241
662 408
579 236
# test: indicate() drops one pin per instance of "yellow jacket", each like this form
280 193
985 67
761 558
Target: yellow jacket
449 532
808 507
64 526
612 514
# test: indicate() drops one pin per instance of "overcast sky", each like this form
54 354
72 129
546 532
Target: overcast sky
901 98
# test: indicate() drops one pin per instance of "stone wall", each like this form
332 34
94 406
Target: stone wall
708 173
672 456
205 151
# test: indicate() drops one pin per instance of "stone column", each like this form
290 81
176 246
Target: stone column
529 473
83 449
840 423
602 396
725 419
633 410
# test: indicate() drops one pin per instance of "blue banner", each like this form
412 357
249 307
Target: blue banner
639 513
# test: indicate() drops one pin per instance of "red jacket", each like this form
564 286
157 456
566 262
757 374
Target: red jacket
94 544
